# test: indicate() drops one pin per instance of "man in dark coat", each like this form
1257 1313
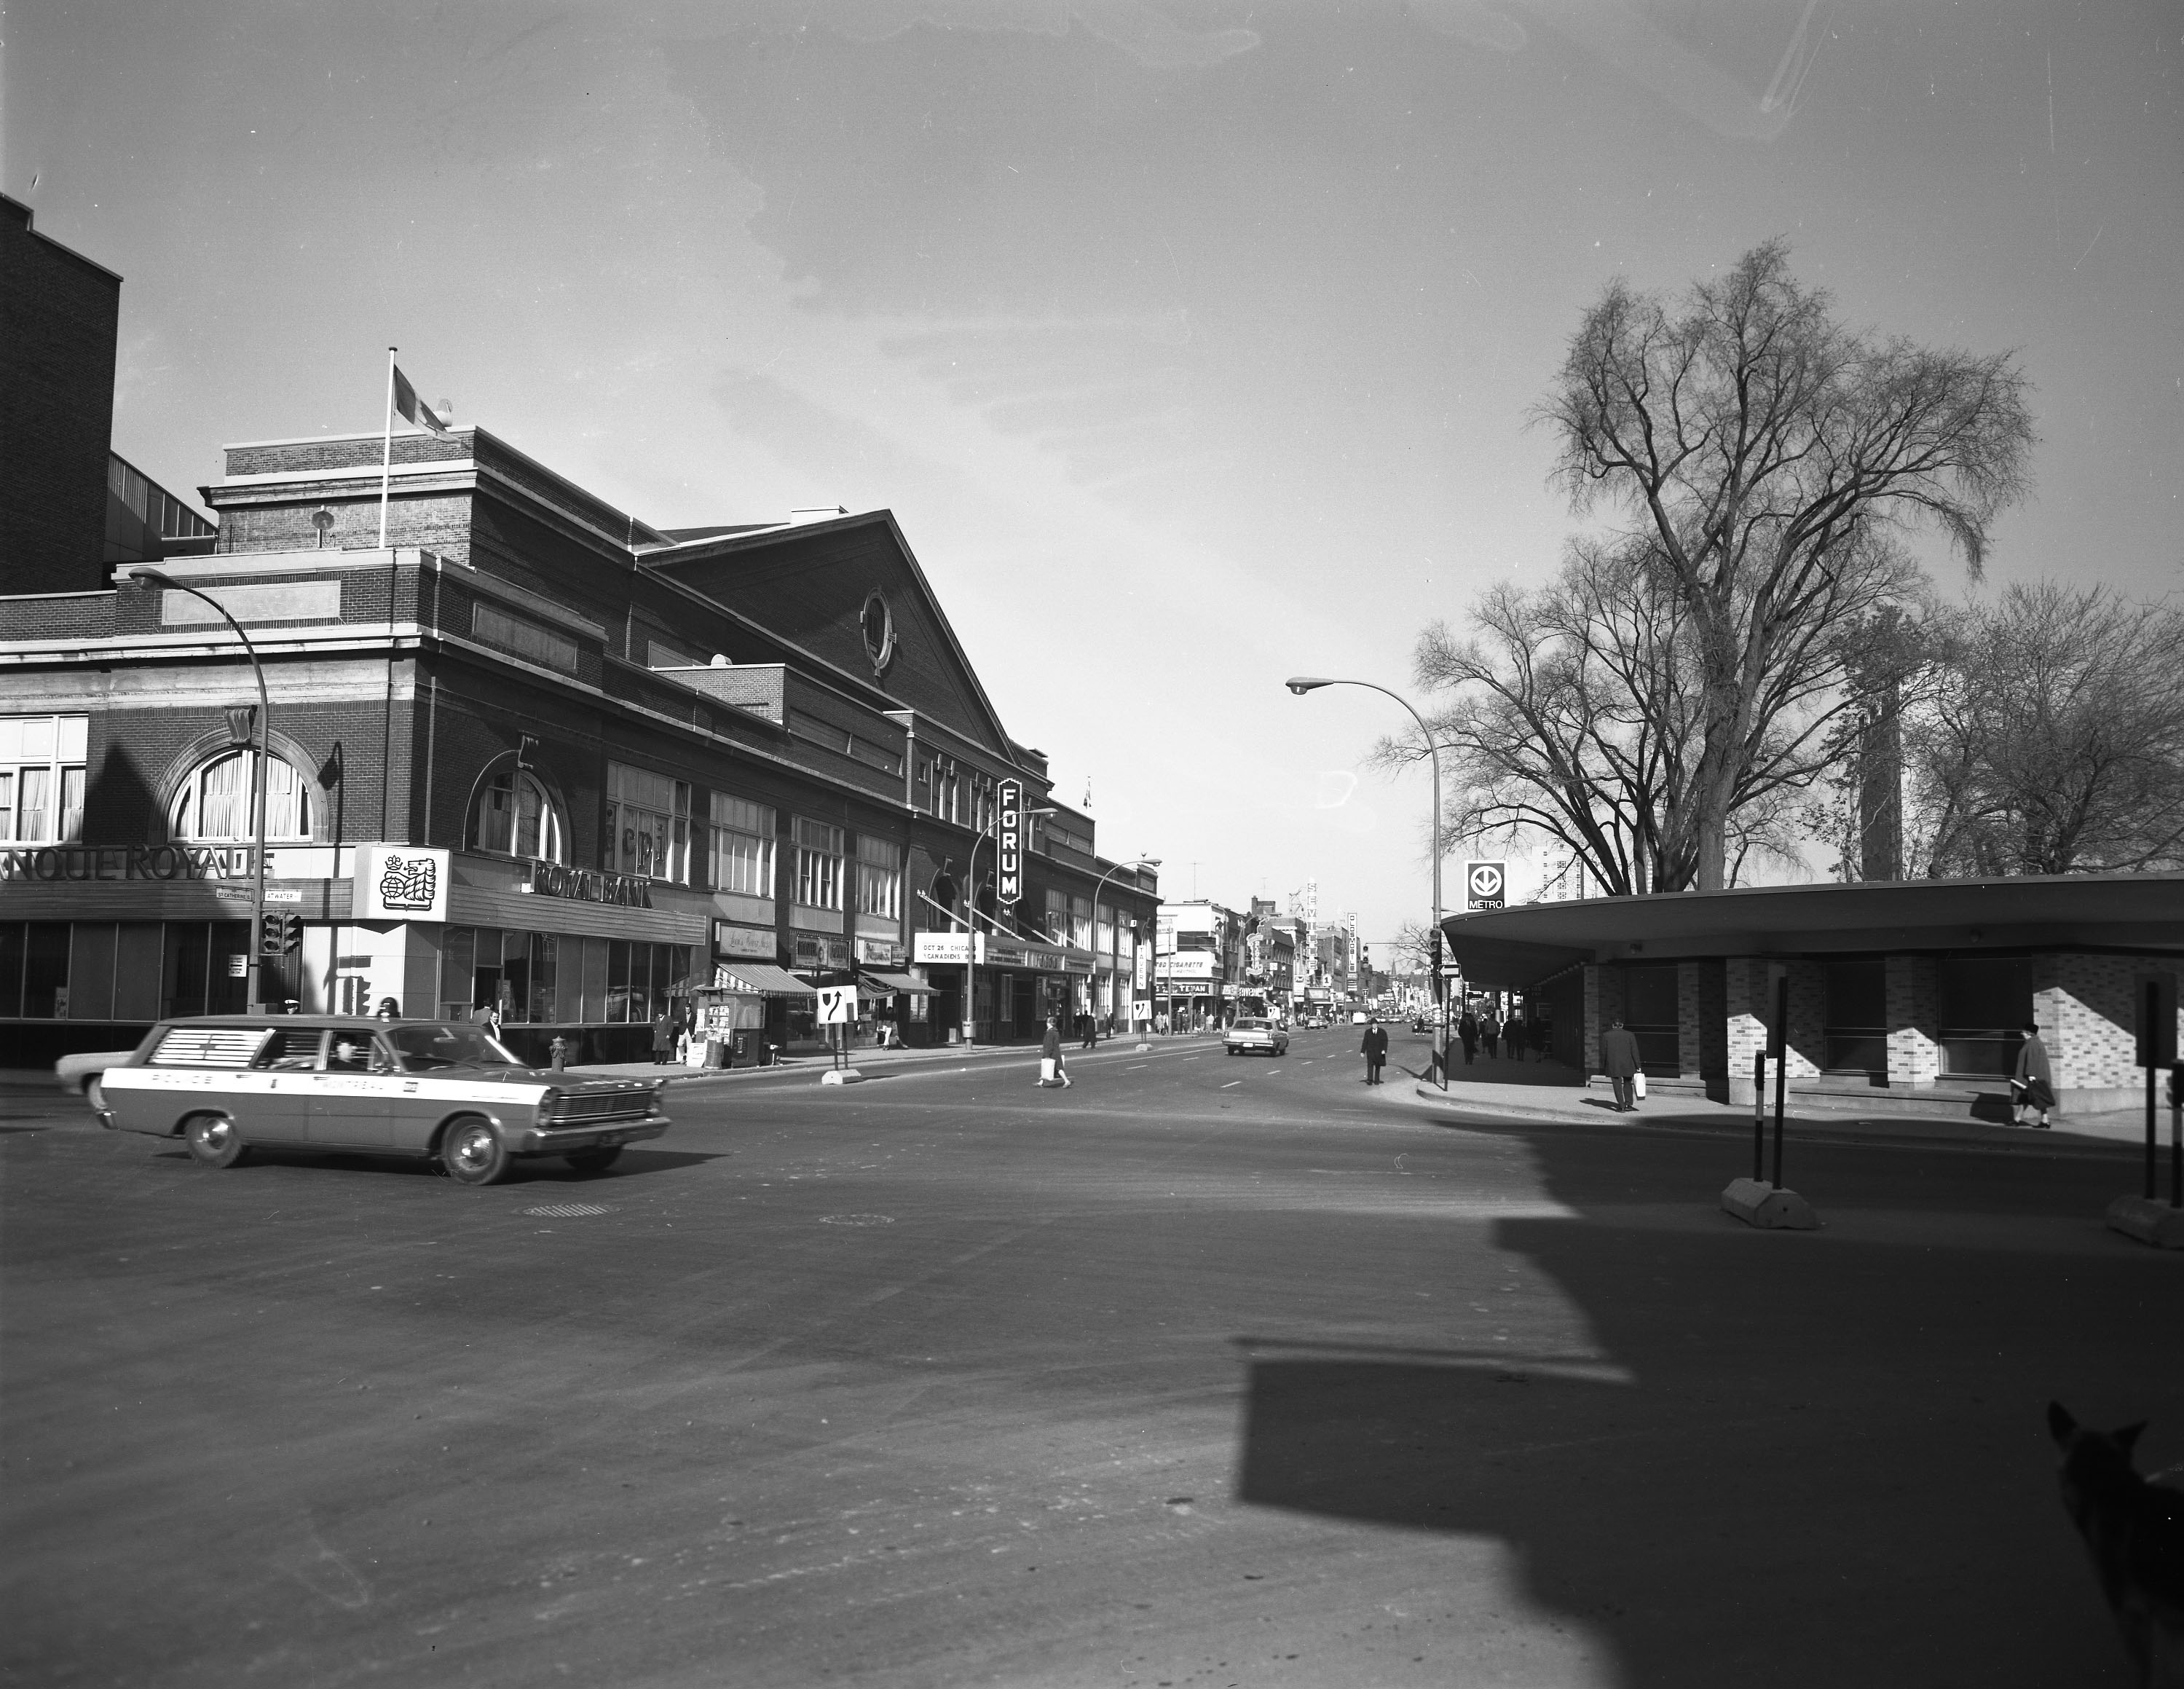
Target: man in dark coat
1467 1029
2033 1084
1490 1032
1618 1060
663 1040
1375 1049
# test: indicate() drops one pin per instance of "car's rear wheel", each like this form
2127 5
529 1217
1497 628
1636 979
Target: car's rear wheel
212 1140
594 1160
94 1092
471 1152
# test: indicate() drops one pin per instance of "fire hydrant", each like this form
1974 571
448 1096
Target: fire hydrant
560 1046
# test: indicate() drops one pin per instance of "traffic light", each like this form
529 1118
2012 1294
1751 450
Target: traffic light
1434 944
292 935
280 934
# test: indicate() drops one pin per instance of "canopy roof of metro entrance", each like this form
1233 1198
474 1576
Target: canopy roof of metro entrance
1519 947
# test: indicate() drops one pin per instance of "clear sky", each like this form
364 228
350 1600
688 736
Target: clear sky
1192 343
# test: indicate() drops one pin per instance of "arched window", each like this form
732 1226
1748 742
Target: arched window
214 800
512 815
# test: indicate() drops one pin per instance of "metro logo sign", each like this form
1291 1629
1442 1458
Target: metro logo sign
1011 842
1487 884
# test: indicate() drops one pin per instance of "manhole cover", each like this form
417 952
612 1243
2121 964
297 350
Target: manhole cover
568 1211
857 1220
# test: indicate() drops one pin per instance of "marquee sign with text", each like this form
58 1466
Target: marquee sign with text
1011 844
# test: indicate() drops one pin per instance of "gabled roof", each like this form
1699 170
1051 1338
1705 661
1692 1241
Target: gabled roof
808 584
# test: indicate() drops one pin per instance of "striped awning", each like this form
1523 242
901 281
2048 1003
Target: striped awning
887 984
761 979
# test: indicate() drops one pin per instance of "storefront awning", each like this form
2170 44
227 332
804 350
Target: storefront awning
886 984
761 979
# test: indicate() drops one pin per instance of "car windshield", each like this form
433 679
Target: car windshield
428 1046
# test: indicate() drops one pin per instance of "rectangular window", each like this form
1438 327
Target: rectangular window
523 637
818 864
1057 918
880 878
1080 923
648 830
42 778
740 858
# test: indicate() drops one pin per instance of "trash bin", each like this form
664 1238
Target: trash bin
716 1052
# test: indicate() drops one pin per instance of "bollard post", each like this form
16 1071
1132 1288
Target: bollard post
2152 1012
1781 1066
1759 1113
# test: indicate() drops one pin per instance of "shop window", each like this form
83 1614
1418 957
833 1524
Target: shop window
880 878
647 825
42 777
1857 1017
514 816
818 864
740 857
1985 1002
214 799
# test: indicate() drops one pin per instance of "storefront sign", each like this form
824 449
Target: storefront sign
1010 844
880 953
947 949
1188 964
591 885
814 954
400 882
127 862
750 941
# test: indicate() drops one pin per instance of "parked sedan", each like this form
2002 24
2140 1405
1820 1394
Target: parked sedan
446 1089
1251 1033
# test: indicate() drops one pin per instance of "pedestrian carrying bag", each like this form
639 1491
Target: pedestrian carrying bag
1638 1086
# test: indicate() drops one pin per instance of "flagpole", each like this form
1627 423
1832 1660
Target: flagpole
387 450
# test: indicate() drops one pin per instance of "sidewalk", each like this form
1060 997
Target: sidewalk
870 1061
1506 1089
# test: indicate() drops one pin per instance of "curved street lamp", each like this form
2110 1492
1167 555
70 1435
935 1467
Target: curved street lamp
145 575
1302 683
1137 862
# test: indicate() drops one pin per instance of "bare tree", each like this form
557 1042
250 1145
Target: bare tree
1575 712
1771 461
2057 744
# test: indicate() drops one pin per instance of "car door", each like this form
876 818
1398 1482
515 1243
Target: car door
350 1095
283 1076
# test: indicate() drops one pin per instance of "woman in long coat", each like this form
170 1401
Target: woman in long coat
2033 1085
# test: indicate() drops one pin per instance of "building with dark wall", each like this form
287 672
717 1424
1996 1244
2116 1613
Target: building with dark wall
60 315
534 756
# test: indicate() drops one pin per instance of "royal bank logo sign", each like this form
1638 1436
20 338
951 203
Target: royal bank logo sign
400 882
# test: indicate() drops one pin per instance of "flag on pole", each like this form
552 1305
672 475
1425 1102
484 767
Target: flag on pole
413 409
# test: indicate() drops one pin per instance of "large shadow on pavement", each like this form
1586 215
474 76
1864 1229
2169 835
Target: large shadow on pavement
1793 1459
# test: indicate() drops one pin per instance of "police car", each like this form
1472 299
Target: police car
446 1089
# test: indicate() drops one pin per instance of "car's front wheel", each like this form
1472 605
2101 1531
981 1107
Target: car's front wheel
213 1141
471 1152
597 1159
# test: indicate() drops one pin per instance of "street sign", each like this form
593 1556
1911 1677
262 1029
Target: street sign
838 1005
1487 884
1009 844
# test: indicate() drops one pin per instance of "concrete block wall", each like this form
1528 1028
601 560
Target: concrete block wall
1603 1004
1712 1027
1748 1015
1808 1053
1914 1022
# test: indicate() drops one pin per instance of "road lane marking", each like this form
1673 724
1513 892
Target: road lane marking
1232 1085
1135 1066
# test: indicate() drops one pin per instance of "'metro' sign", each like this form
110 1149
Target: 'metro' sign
1011 842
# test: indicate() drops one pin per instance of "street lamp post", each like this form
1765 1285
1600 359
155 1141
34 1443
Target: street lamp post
1301 684
145 575
970 909
1139 862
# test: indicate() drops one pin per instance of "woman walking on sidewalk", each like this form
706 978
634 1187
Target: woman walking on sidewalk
2033 1084
1051 1069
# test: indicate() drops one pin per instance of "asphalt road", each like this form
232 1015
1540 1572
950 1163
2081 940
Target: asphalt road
1206 1371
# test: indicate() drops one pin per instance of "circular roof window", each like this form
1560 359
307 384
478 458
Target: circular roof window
878 621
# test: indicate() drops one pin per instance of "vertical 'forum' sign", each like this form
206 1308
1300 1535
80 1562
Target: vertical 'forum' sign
1011 842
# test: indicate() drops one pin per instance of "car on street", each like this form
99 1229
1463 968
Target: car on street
443 1089
1358 1017
1252 1033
